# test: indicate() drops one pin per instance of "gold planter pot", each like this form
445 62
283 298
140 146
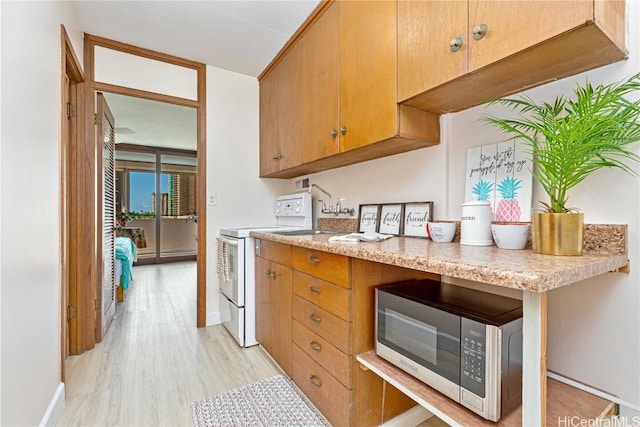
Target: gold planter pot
557 233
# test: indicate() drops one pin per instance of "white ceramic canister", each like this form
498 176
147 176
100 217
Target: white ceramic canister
475 224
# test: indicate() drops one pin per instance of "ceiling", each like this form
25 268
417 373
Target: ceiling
238 35
241 36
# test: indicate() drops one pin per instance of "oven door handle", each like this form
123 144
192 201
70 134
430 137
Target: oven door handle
228 241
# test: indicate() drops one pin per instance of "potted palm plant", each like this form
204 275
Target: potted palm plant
567 141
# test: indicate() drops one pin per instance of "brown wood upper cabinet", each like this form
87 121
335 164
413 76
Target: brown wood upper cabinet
348 93
458 53
281 115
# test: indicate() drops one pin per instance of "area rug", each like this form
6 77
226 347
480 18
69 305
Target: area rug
275 401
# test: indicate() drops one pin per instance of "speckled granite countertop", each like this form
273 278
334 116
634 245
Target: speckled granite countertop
512 269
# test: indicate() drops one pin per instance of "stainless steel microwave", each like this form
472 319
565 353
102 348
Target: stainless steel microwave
465 343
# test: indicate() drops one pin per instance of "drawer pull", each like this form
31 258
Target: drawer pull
314 318
314 259
315 346
315 381
314 290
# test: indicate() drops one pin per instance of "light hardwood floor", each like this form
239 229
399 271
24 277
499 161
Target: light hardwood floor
154 362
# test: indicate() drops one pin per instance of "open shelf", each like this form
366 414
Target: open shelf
562 400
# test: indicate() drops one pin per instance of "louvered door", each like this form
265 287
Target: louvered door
106 137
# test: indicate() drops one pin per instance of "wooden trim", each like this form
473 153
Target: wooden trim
152 150
92 41
138 51
201 183
138 93
311 19
84 227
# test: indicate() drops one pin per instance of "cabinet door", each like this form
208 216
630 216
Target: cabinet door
290 108
282 323
281 114
425 30
368 92
516 25
321 95
264 319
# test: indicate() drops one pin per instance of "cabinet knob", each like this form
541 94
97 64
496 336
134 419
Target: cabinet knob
315 346
334 133
267 273
315 381
277 156
455 44
343 130
479 31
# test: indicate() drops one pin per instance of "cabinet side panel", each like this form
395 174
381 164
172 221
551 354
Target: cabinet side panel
610 17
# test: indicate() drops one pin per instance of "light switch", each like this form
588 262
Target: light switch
212 199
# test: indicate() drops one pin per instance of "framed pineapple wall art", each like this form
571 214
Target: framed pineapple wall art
501 174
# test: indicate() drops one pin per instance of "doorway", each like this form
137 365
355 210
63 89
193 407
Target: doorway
197 102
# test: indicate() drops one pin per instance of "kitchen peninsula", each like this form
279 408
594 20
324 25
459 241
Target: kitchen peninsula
367 265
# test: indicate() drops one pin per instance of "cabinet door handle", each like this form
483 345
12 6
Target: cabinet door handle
314 318
334 133
314 259
455 44
314 290
277 156
343 130
268 273
479 31
315 381
315 346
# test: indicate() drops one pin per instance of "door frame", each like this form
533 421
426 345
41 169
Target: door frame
76 262
91 86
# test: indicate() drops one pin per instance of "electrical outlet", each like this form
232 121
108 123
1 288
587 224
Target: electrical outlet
212 199
302 184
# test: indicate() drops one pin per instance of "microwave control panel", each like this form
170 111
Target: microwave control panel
473 345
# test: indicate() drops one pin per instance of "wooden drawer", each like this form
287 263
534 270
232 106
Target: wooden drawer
331 267
329 396
320 321
277 252
320 350
332 298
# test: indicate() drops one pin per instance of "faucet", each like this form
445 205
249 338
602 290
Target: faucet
331 210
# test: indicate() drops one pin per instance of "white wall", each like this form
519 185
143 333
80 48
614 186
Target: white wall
594 326
232 167
30 193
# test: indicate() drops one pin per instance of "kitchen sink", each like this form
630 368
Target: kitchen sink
307 232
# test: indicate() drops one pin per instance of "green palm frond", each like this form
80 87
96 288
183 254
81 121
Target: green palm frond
571 138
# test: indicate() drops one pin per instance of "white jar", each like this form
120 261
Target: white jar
475 224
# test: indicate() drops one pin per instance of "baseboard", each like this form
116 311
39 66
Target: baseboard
56 405
213 318
412 417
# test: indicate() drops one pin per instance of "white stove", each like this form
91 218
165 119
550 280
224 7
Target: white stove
237 280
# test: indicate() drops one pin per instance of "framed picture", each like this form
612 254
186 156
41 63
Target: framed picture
415 218
390 218
368 218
